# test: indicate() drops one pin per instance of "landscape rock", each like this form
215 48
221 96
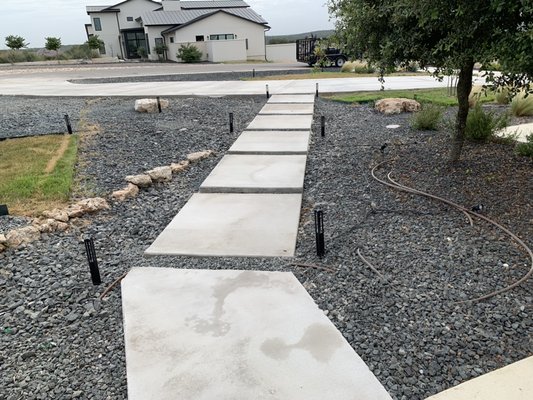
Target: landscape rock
142 180
396 106
2 248
179 167
57 214
74 211
3 239
50 225
129 191
200 155
92 205
160 174
24 235
150 105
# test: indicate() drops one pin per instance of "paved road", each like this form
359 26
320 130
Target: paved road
52 81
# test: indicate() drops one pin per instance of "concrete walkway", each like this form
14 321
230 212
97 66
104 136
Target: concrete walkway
234 335
249 205
520 131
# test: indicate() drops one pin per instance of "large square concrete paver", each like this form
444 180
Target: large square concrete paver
289 109
281 122
292 98
239 335
226 225
257 174
271 142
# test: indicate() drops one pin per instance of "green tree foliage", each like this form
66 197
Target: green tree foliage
94 43
189 53
16 42
447 34
52 44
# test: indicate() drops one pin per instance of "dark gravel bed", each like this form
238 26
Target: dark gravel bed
219 76
59 341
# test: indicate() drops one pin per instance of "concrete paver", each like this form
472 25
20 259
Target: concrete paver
281 122
257 174
521 131
275 108
513 382
241 225
239 335
295 98
271 142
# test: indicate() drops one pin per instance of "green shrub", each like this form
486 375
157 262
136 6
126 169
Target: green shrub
189 53
521 105
428 118
526 149
481 125
141 51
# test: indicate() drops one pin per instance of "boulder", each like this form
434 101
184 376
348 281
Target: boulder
3 239
50 225
142 180
74 211
160 174
397 106
179 167
149 105
92 205
129 191
200 155
57 214
20 236
2 248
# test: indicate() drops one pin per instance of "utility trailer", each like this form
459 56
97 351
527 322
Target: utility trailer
305 52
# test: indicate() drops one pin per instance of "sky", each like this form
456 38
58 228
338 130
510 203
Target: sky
36 19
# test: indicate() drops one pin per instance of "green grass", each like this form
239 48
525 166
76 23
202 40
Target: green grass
25 186
434 96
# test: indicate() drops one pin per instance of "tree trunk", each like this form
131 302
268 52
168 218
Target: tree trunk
464 87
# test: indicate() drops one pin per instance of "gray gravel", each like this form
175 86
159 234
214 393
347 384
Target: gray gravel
57 341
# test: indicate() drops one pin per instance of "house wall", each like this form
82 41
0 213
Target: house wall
153 33
109 33
281 52
174 47
226 50
222 23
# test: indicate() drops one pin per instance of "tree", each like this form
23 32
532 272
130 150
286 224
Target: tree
447 34
16 42
160 50
94 42
53 44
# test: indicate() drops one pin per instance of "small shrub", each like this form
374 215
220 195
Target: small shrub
521 105
428 118
502 95
526 149
141 52
189 53
78 51
481 125
357 67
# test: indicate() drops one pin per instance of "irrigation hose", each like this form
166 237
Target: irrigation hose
394 184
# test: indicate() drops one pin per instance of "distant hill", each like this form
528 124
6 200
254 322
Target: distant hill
293 38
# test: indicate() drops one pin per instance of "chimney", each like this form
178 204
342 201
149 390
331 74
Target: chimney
171 5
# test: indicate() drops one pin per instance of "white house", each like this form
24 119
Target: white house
226 30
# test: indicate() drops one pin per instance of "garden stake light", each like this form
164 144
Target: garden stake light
231 122
319 232
93 262
69 127
323 126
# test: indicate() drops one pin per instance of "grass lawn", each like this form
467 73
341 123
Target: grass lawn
36 173
434 96
324 75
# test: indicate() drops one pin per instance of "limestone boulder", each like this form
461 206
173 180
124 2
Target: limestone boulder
57 214
160 174
396 106
128 192
3 239
142 180
74 211
50 225
179 167
150 105
200 155
21 236
93 205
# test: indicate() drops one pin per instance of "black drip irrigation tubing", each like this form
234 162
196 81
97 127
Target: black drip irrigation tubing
396 185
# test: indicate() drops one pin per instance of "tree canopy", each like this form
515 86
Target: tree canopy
446 34
15 42
52 43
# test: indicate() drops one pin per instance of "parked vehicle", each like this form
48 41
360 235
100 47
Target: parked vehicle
305 52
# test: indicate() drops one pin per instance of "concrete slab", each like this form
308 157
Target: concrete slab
292 98
271 142
281 122
287 109
226 225
514 382
257 174
239 335
521 132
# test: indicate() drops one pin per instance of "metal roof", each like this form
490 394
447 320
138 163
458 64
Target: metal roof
95 8
188 5
186 16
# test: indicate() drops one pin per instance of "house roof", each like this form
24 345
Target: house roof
188 16
188 5
96 8
111 8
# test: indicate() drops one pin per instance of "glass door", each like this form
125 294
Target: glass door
134 40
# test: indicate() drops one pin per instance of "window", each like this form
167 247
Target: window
97 24
130 19
171 39
227 36
200 38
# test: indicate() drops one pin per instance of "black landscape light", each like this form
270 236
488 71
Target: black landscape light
93 262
